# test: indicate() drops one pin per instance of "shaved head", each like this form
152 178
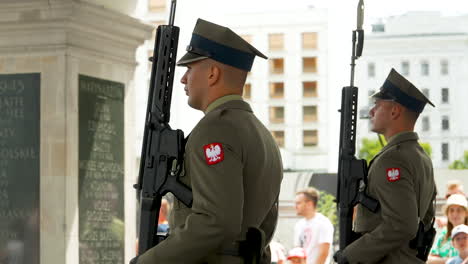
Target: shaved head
231 77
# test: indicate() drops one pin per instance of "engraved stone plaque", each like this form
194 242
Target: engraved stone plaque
101 171
19 167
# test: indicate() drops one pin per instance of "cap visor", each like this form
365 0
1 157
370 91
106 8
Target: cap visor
382 95
189 58
377 95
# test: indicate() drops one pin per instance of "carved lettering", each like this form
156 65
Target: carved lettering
19 165
18 153
7 132
14 86
101 171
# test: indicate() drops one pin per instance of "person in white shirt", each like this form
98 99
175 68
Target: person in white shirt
314 232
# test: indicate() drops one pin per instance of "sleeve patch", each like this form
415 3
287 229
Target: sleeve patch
214 153
393 174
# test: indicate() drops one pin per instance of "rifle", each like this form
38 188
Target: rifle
163 148
352 173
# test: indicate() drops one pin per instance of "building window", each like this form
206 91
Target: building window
425 68
276 41
309 65
445 151
405 70
309 89
444 67
445 123
425 123
277 66
310 138
445 95
277 114
279 138
277 90
309 113
425 91
157 5
371 69
247 91
309 40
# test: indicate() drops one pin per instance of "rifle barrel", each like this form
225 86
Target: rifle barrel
172 13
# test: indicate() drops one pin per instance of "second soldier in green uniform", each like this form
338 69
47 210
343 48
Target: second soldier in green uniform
400 177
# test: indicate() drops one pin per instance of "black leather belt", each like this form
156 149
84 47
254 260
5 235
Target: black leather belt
235 249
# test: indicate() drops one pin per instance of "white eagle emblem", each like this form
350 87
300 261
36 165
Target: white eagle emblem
393 174
213 153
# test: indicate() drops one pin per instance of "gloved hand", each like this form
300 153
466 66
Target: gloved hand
134 260
340 258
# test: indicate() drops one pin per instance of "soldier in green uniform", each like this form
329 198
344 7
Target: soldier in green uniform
232 162
400 177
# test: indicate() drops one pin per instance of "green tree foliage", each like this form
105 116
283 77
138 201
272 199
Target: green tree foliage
370 148
327 206
427 148
460 164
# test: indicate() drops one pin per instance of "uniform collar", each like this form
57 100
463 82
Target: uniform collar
399 138
221 101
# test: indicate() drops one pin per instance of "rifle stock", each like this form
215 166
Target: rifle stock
163 147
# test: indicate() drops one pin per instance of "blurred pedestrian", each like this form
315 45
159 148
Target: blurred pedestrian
314 232
456 212
460 243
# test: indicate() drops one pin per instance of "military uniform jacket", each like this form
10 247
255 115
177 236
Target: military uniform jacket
234 168
401 178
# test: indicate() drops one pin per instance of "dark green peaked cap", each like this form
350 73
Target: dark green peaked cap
219 43
398 88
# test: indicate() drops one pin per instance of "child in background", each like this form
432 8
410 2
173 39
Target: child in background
460 243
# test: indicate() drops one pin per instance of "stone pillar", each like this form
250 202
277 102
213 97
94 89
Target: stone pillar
67 131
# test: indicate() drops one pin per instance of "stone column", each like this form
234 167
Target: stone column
67 154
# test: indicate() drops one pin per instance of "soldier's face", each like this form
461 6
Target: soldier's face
196 84
380 115
456 214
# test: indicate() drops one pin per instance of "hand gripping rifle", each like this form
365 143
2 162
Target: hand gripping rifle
163 148
352 173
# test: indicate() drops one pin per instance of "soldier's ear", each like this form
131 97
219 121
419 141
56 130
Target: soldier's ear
396 111
214 74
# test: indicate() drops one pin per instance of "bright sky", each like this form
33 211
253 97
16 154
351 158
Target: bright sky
373 8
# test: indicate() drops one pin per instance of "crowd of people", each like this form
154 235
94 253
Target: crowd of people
313 233
450 244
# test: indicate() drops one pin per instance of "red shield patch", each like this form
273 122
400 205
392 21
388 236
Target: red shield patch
393 174
213 153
